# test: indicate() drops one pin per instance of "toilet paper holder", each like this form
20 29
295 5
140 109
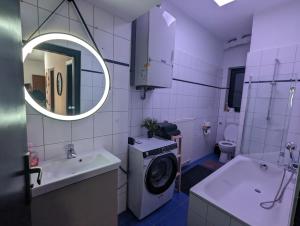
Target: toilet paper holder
206 128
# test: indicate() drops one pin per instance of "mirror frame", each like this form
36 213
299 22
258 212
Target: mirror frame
30 45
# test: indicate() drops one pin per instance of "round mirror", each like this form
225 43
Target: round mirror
65 78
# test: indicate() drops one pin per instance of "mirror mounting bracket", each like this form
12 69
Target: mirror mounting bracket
81 18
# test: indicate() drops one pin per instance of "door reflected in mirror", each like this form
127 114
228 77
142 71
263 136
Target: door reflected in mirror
63 77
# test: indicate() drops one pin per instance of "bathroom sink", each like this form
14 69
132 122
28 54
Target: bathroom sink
60 173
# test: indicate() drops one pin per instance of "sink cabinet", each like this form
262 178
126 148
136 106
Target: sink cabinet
90 202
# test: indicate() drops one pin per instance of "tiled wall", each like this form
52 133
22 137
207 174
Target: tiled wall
188 105
203 213
261 136
107 128
198 56
233 57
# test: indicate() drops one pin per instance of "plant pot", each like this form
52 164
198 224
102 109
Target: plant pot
150 134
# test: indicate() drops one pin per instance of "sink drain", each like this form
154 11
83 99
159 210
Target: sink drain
257 190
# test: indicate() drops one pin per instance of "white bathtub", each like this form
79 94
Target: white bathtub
234 190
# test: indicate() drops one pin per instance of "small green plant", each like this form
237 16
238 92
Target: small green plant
151 125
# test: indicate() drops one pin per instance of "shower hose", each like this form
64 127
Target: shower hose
279 195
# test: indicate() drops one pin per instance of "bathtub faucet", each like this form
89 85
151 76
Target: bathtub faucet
291 147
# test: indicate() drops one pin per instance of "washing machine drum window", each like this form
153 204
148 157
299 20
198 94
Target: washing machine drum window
161 173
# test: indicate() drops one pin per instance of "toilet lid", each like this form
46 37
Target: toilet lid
231 132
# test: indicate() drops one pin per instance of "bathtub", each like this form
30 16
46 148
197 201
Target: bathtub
231 196
267 156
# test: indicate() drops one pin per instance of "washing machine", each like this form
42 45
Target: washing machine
152 173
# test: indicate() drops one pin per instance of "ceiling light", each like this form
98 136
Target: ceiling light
223 2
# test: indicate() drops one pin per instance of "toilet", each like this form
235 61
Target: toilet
228 145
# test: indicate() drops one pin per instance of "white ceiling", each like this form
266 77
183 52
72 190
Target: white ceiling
227 22
128 10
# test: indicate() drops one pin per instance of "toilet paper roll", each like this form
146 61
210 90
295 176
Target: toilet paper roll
206 132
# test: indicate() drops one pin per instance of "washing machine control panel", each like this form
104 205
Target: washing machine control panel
160 150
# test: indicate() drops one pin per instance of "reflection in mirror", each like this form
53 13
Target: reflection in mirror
63 77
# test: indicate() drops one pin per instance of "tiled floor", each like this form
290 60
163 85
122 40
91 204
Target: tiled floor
174 213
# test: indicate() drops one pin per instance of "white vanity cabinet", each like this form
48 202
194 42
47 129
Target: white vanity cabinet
81 191
91 202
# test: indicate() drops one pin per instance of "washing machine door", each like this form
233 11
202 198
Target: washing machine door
161 173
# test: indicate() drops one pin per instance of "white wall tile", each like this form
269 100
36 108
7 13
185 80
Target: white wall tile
55 151
137 116
120 122
121 77
269 56
120 100
195 219
253 59
105 142
297 69
266 72
29 19
83 129
274 137
286 69
121 50
77 29
51 5
298 53
103 20
35 130
287 54
56 131
107 106
122 28
83 146
57 23
86 11
120 143
217 217
198 205
135 98
105 43
102 124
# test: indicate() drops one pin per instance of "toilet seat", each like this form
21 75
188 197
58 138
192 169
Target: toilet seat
227 143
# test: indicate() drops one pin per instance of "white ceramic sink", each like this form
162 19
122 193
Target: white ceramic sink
60 173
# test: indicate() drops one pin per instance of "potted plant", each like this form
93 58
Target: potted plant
151 125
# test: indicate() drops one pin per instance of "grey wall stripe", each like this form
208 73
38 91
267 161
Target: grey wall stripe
199 84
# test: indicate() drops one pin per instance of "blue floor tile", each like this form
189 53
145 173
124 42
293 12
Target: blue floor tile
170 209
212 156
176 218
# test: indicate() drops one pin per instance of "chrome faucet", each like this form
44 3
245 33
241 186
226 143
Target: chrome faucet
70 151
291 147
